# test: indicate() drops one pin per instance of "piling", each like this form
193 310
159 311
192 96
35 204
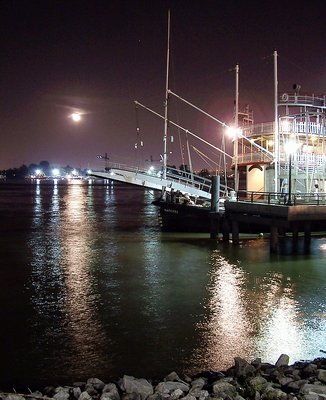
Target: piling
214 225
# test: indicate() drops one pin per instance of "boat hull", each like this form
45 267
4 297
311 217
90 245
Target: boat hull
175 217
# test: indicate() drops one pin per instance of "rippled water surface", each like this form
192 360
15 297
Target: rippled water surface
89 286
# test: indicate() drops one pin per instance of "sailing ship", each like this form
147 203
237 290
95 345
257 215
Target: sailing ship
167 180
283 159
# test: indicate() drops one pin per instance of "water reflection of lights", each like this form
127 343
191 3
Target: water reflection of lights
249 318
63 295
226 333
81 302
281 333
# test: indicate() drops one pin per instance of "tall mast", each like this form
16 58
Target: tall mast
236 126
276 135
166 123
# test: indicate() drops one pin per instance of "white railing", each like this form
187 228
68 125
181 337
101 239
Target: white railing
179 176
315 101
309 127
259 129
252 158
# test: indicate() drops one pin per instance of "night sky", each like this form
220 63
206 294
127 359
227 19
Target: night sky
97 57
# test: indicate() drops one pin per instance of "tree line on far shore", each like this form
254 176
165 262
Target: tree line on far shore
43 169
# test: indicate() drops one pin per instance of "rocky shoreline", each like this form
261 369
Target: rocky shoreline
304 380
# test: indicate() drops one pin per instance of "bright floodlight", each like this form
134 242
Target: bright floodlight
286 125
234 133
55 172
76 117
291 145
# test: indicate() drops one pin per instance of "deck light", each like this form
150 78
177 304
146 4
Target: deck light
234 133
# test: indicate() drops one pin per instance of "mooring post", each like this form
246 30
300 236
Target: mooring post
225 229
274 239
307 236
235 232
214 225
295 237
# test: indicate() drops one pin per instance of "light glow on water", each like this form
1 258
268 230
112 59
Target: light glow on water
80 299
226 330
104 292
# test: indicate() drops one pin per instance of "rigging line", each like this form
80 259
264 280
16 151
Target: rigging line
224 160
139 143
199 109
204 157
240 135
185 130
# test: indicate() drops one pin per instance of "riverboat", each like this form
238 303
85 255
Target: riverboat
284 157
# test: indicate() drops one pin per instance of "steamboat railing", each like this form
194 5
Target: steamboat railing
312 198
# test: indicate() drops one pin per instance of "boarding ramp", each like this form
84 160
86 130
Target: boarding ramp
175 180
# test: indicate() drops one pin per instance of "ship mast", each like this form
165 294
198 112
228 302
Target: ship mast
166 122
236 126
276 133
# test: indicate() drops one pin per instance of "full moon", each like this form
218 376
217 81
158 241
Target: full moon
76 117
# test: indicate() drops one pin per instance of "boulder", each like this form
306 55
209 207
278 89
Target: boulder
76 391
309 370
112 391
198 383
169 387
97 383
176 394
258 383
274 393
173 376
313 388
221 386
285 380
90 389
282 361
131 396
188 397
85 396
155 396
312 396
321 375
139 386
243 368
106 396
61 395
199 393
13 397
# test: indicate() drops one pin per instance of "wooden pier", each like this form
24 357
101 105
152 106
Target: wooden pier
276 218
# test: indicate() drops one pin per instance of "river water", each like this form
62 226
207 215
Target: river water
90 287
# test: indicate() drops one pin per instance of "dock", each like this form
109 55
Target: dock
279 216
